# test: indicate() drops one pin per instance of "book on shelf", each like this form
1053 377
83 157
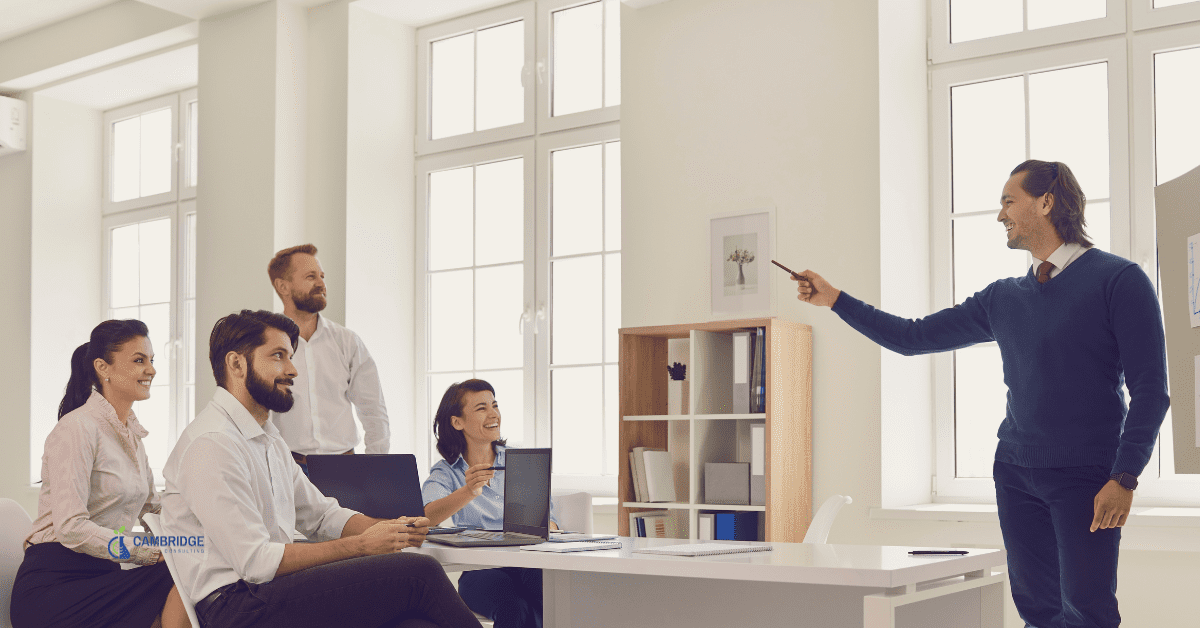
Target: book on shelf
758 371
638 495
639 472
736 526
758 467
638 524
660 483
742 363
702 549
704 528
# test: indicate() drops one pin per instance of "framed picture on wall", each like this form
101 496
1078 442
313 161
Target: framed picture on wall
741 246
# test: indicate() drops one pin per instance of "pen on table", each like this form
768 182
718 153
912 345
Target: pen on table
936 552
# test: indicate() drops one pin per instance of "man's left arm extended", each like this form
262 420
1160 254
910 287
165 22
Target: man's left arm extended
1137 326
366 393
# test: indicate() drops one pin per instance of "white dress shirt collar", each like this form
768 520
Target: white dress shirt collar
1061 257
241 417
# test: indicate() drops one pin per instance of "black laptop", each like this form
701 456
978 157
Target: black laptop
384 486
526 504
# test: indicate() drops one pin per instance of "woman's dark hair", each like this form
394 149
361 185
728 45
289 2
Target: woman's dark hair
1056 178
450 442
106 339
242 333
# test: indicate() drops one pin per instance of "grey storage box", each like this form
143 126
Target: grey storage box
727 483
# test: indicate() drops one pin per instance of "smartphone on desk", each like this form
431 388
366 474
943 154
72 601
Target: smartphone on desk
444 531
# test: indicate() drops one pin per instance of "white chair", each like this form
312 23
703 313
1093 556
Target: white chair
574 512
154 522
15 525
818 530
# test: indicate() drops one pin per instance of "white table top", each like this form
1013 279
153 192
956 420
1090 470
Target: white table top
848 565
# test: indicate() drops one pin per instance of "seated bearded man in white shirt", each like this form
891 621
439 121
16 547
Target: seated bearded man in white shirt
231 481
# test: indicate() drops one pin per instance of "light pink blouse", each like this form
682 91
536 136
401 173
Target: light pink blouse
95 479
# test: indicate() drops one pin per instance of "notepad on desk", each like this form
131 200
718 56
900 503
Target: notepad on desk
702 549
572 546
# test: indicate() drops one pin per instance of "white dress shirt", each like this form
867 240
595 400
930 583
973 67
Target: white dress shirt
1061 258
234 483
95 479
334 370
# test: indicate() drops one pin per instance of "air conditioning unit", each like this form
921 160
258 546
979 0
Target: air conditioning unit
14 125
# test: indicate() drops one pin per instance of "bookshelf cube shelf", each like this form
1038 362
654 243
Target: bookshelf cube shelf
712 432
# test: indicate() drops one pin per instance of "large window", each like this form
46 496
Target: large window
519 195
1120 116
149 244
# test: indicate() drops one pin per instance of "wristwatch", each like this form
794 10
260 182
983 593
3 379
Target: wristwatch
1127 481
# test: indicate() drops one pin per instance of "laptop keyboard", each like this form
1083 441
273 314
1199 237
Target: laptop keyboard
483 535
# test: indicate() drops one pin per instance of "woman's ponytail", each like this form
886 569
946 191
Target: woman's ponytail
83 378
106 339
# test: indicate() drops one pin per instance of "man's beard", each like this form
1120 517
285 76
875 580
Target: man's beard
311 302
266 394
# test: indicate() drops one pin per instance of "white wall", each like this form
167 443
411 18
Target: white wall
66 254
379 203
16 179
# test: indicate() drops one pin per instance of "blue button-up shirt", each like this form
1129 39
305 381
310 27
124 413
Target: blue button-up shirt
486 511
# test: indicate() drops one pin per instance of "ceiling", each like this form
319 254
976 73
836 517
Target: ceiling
132 82
22 16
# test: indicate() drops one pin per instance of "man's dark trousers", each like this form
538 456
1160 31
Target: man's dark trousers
1062 575
390 590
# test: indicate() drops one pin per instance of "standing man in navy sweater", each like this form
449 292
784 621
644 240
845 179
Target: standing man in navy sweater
1070 333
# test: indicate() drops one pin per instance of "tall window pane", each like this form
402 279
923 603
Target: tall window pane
577 396
981 255
1044 13
452 86
451 341
1176 101
500 212
977 19
988 138
501 59
980 398
1068 122
499 295
142 156
612 52
193 174
451 205
576 331
578 59
577 189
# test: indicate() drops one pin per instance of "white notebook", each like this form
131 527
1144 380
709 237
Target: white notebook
702 549
572 546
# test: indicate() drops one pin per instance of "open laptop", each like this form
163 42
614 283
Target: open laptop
526 504
384 486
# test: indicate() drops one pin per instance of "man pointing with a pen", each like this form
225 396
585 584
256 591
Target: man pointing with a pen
1075 329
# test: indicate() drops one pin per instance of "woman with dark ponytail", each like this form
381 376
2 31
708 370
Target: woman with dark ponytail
96 483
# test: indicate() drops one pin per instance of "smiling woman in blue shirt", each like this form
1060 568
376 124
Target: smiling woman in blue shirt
463 487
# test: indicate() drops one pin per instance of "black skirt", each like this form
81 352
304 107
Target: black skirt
60 587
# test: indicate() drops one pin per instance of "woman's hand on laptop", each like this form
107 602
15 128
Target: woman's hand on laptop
477 477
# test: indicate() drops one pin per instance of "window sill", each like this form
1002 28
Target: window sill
1140 516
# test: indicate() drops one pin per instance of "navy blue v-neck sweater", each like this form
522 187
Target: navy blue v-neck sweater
1067 345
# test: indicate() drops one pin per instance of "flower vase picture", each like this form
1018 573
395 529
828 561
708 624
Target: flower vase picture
741 269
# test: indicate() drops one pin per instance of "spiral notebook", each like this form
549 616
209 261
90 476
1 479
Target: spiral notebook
572 546
702 549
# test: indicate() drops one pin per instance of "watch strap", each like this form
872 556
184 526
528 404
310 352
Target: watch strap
1126 480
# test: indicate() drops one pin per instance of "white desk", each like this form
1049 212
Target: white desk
795 584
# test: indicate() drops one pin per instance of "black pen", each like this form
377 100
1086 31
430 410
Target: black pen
937 552
494 469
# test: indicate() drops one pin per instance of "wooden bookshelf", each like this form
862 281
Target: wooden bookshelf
712 433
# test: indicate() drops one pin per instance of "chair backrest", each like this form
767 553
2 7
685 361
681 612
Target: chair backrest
157 529
574 512
822 522
15 525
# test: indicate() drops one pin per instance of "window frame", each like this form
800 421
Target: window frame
947 486
171 101
185 142
601 484
1146 16
524 148
545 78
473 23
942 50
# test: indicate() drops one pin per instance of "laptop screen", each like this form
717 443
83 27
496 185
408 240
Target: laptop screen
527 491
384 486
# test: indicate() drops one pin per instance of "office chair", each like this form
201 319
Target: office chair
154 522
15 525
818 530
